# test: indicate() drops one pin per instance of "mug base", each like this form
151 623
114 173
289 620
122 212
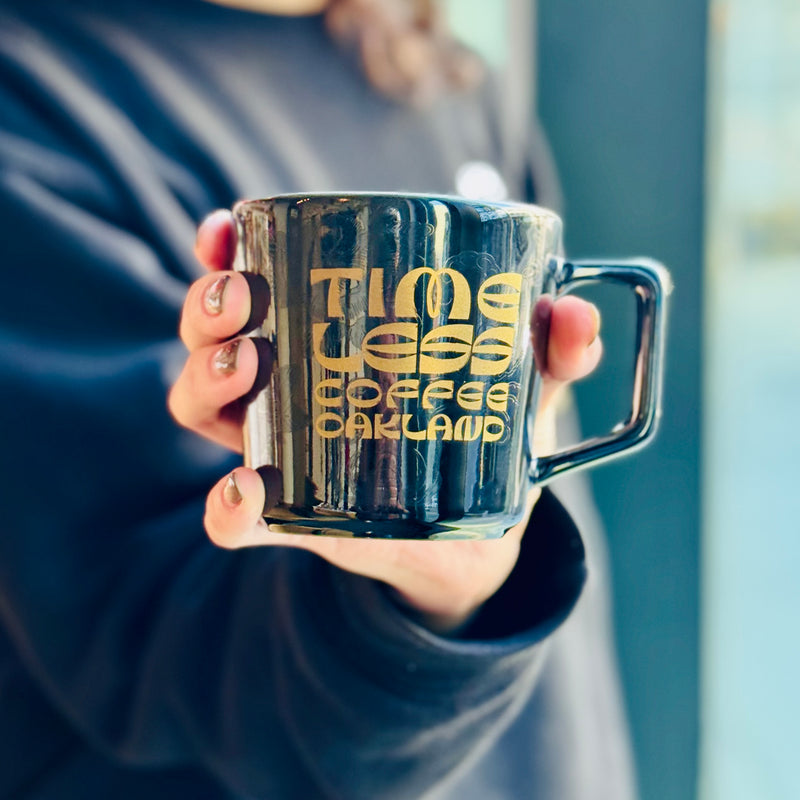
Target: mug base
407 529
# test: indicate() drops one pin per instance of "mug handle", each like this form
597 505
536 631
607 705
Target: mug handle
651 284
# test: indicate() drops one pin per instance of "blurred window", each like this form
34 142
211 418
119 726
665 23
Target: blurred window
484 26
751 647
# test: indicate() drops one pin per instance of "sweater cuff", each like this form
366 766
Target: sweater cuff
535 599
544 585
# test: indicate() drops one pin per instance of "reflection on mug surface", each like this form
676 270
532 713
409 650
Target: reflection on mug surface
403 386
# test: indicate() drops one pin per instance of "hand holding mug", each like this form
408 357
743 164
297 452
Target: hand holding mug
392 383
445 581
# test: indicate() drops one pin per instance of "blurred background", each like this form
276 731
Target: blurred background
676 130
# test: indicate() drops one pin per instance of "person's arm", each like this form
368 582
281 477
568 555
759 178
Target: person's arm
444 584
275 671
267 666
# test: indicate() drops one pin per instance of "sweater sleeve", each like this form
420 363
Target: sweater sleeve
274 671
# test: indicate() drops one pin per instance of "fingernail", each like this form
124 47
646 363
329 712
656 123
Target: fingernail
214 296
597 321
226 357
230 492
215 241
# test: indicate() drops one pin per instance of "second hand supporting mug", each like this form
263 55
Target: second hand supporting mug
404 382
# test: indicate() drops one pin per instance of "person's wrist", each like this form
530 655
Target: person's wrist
446 619
446 601
445 608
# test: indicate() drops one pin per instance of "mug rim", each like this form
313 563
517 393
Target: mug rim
528 209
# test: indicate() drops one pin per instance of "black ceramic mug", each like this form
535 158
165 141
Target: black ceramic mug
404 382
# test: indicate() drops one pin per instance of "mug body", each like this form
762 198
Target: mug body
398 331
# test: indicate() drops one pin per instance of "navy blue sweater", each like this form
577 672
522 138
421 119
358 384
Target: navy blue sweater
136 660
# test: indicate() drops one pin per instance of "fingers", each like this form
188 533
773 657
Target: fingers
216 307
574 347
216 240
224 303
234 508
566 341
220 369
213 378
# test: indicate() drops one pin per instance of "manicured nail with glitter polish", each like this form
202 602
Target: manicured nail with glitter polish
230 491
215 294
226 357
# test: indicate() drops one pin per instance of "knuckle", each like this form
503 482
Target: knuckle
215 532
187 322
179 398
173 406
190 379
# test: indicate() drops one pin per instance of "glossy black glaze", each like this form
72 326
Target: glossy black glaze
403 368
